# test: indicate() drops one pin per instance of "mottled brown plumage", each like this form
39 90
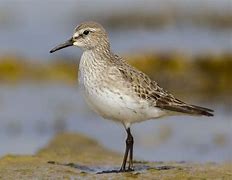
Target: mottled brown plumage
147 89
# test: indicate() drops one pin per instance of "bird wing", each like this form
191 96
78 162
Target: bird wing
144 88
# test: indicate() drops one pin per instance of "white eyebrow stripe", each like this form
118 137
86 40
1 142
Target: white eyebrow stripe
90 29
80 32
76 34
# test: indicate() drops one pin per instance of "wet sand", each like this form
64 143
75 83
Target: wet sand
73 156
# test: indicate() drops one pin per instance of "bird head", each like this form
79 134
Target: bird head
87 36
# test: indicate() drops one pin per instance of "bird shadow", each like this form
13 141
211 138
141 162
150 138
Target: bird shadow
138 168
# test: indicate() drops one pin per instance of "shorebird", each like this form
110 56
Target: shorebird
116 90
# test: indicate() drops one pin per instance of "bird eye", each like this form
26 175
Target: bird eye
86 32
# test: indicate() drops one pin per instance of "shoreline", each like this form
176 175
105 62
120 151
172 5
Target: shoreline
70 156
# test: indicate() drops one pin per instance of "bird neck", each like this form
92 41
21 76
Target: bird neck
102 49
97 58
99 53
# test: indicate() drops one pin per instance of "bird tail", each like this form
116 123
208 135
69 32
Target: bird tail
189 109
193 110
201 110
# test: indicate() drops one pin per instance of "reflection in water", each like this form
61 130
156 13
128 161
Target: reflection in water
30 115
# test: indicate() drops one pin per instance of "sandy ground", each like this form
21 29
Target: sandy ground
74 156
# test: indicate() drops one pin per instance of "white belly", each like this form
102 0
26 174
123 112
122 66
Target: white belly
110 102
114 106
119 107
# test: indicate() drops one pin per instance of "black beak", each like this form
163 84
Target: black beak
63 45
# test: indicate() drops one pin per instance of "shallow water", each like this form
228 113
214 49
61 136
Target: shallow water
31 114
138 168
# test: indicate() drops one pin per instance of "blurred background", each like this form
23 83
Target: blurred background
184 45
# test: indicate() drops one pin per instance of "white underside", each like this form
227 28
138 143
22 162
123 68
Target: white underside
126 110
115 105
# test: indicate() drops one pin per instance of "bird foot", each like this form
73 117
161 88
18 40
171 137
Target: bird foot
129 169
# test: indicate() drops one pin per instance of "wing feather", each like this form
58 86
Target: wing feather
149 90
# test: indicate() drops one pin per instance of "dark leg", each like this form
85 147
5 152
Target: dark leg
130 167
123 167
129 149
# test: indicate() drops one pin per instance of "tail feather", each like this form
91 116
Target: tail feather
203 108
200 110
190 109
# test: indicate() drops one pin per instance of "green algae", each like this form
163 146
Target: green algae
207 74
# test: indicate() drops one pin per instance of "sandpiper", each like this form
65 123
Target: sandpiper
116 90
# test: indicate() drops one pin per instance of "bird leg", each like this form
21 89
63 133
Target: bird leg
131 142
129 149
